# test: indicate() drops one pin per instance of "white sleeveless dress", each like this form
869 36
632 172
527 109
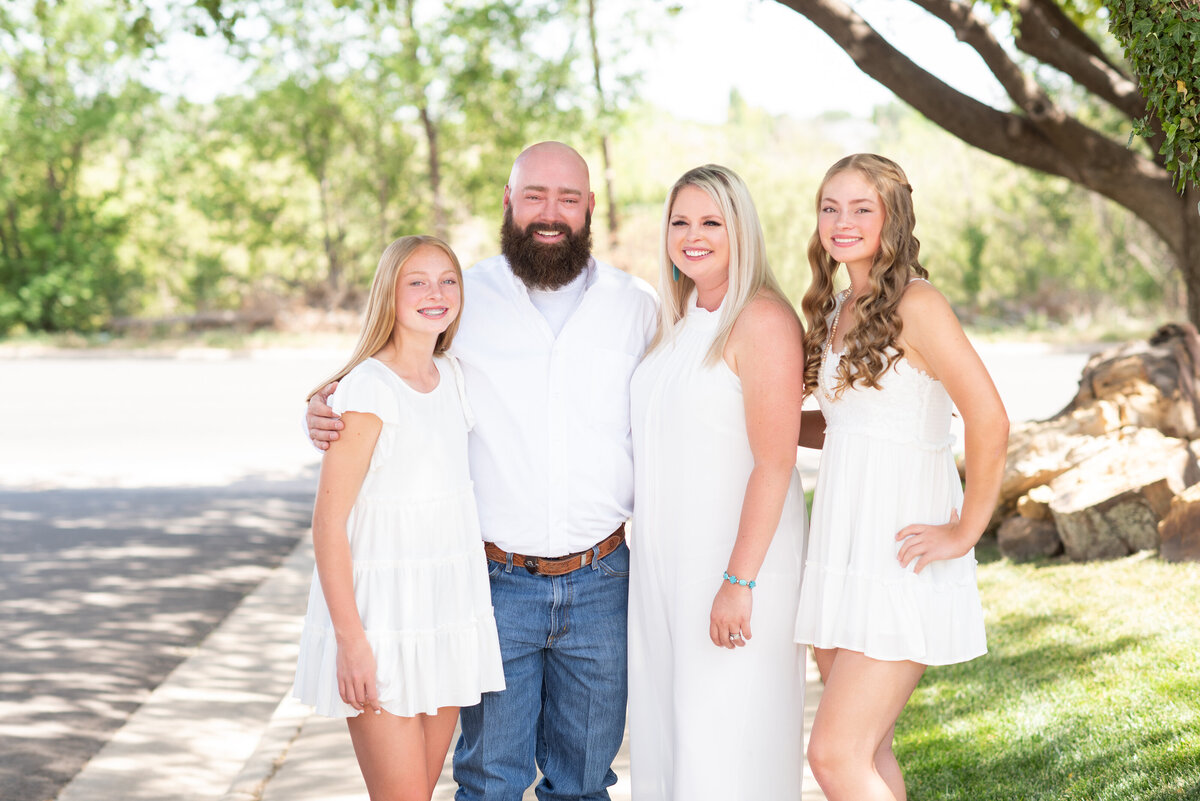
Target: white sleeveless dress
886 463
706 722
420 574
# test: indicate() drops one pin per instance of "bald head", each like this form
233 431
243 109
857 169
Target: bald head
543 157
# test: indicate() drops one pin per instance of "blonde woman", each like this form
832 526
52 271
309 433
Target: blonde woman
399 620
889 583
716 684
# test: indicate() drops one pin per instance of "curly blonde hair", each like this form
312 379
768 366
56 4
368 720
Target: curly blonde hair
870 345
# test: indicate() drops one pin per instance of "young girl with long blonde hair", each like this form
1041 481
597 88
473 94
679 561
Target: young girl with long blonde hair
889 584
399 622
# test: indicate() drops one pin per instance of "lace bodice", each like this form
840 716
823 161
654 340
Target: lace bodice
909 406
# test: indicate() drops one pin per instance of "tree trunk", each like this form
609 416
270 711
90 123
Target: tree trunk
609 173
1189 254
331 244
440 227
383 194
16 230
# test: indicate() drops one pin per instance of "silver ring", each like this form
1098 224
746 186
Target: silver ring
735 636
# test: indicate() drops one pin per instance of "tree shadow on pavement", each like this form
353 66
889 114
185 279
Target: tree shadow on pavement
104 591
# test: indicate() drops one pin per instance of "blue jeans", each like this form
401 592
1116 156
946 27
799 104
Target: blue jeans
563 643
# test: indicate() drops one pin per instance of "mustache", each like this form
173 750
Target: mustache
558 228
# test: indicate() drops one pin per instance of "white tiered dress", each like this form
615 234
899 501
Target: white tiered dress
420 574
706 723
886 463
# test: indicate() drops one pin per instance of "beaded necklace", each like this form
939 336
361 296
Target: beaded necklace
837 314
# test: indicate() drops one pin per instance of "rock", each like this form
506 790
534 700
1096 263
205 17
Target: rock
1106 467
1110 504
1035 504
1179 531
1151 384
1023 539
1040 452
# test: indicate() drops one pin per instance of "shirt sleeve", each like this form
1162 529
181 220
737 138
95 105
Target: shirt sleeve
363 390
461 385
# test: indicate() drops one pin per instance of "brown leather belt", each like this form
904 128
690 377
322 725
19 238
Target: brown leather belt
542 566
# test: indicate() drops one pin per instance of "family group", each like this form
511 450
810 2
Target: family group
552 497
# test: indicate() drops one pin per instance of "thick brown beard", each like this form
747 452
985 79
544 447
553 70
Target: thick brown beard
542 266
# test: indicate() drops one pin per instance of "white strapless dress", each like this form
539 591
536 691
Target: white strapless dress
886 463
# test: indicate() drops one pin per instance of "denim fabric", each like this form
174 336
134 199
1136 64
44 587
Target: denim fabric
563 643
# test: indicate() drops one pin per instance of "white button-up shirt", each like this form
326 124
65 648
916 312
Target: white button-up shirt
550 453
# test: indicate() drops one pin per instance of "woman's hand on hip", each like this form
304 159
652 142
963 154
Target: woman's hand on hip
929 543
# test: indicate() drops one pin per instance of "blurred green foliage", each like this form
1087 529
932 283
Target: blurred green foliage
118 202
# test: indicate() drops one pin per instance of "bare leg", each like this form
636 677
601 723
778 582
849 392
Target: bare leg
824 658
392 756
858 710
885 761
888 768
439 730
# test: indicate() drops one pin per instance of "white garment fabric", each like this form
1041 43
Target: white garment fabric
706 722
887 463
557 305
550 452
420 574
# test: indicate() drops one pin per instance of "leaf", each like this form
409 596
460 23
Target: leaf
1180 87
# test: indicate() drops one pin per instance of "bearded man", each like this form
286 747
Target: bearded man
548 341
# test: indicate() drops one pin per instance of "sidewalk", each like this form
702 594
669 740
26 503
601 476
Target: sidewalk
221 727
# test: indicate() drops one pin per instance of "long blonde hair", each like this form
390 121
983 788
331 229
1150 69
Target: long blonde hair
380 317
749 272
878 326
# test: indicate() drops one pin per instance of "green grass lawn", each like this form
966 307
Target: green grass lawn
1090 689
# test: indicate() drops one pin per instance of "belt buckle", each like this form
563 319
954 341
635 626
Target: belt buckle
531 564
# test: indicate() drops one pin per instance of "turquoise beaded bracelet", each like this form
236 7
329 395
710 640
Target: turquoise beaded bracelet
751 583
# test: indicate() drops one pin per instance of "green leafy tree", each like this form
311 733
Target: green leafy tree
65 70
1064 52
403 116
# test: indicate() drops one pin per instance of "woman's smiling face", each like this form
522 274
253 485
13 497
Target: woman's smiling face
697 238
428 296
850 219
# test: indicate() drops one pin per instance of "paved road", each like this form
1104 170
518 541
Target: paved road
142 498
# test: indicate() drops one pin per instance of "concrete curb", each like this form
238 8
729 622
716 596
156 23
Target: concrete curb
194 736
282 731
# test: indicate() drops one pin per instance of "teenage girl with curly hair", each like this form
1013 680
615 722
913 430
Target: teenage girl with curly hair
889 584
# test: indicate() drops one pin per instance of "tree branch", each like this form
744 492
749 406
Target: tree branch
1054 144
968 28
1049 36
1063 28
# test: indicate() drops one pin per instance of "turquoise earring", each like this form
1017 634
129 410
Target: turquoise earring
674 273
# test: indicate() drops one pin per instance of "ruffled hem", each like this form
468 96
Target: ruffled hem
891 620
381 527
416 671
412 595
